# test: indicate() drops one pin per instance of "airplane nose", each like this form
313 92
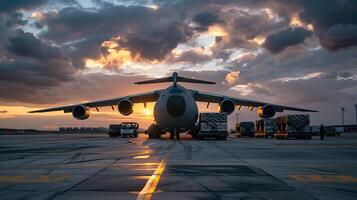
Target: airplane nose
176 105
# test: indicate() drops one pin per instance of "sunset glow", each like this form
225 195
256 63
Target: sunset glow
56 53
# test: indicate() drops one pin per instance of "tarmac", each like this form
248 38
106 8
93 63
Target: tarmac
81 166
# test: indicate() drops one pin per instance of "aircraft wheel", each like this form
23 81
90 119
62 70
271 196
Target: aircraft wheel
177 135
158 135
172 136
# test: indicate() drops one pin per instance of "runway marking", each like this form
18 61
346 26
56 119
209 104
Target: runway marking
325 178
150 186
33 178
141 157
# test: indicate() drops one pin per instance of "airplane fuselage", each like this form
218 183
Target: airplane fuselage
176 108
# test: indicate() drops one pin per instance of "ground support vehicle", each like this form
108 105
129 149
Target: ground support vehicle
246 129
293 126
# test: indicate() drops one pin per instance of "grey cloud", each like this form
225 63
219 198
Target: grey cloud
252 25
73 23
140 28
339 36
26 45
191 57
13 5
158 44
206 19
345 74
334 21
30 65
277 42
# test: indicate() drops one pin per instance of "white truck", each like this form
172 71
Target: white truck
212 125
129 129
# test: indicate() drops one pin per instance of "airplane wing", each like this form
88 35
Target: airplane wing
214 98
136 98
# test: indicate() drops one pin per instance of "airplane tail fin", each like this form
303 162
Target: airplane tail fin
175 78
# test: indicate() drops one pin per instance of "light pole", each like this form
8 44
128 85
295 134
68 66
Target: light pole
356 112
343 117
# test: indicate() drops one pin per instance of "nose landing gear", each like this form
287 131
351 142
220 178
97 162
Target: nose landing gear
174 133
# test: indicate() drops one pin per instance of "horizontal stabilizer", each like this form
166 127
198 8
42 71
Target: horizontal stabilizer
175 78
159 80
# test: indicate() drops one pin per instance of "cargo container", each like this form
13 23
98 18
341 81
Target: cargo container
212 125
266 127
245 129
293 126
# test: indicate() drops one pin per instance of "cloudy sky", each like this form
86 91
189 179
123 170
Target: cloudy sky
299 53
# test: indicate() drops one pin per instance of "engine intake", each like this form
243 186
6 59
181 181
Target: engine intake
266 111
80 112
125 107
227 106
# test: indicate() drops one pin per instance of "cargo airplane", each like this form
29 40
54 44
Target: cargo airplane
175 109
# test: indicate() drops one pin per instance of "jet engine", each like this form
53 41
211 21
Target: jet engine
266 111
80 112
125 107
227 106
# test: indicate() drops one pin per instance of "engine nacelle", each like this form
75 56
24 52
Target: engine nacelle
125 107
80 112
227 106
266 111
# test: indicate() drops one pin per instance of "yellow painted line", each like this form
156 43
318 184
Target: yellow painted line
141 157
325 178
150 186
33 178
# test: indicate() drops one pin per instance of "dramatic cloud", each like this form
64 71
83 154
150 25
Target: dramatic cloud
277 42
13 5
92 49
26 45
335 22
206 19
231 78
3 111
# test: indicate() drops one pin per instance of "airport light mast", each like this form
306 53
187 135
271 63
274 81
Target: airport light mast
356 112
343 117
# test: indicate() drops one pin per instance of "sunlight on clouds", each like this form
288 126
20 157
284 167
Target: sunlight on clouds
258 39
243 89
114 56
231 78
246 89
310 27
217 30
153 7
296 22
37 15
269 13
302 77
